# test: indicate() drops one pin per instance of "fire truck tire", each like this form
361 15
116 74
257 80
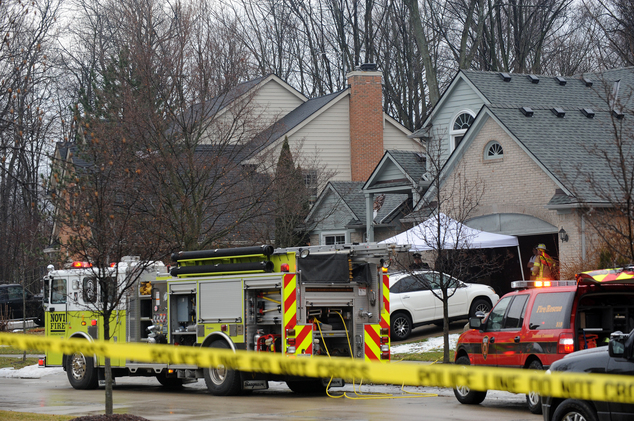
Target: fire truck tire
400 326
81 371
307 387
479 304
533 400
463 393
221 381
171 383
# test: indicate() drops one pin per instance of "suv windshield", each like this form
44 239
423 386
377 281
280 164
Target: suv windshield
551 310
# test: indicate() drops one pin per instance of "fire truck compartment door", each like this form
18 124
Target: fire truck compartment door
221 301
183 288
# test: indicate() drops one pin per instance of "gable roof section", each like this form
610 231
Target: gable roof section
410 165
352 197
520 91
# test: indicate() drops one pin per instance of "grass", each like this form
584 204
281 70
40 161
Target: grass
431 356
16 362
28 416
14 351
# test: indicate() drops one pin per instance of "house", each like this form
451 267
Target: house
532 141
338 137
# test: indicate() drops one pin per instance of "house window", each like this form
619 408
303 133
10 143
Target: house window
310 181
493 150
460 125
332 239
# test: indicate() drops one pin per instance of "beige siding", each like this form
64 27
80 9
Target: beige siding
394 138
326 140
274 100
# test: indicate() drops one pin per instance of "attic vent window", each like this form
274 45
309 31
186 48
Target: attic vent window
493 150
559 112
587 81
533 79
527 111
618 115
561 80
505 77
587 112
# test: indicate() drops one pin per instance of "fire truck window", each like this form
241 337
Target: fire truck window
551 311
108 290
494 322
58 295
515 316
89 290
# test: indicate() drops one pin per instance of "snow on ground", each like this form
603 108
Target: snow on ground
30 372
432 344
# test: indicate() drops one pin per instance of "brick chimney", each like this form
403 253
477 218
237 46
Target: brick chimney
366 120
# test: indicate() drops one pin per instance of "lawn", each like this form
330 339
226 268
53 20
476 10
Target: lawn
28 416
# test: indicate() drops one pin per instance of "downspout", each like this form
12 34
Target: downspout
583 237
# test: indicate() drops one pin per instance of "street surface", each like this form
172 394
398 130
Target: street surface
52 394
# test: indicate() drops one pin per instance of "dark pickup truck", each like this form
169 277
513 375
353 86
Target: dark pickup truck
11 304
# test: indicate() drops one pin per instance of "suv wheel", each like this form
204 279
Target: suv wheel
463 393
479 304
400 326
574 410
533 400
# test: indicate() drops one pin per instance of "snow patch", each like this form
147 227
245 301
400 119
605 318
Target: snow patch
29 372
431 344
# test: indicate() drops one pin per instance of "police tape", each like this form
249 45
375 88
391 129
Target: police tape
604 387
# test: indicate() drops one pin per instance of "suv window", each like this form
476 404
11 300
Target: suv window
551 311
515 315
410 284
496 318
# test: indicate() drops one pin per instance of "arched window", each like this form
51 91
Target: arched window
493 150
460 125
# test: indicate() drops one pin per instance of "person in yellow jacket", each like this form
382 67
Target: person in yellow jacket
544 265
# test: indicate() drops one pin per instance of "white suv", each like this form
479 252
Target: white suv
413 304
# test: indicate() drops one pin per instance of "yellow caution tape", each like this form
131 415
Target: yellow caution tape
613 388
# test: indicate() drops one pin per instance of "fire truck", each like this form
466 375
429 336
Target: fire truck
302 302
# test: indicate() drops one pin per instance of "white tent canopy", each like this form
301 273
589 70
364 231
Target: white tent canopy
453 234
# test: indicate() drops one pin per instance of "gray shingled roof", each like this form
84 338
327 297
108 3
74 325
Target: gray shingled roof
548 93
565 146
411 162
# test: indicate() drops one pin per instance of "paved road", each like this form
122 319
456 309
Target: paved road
52 394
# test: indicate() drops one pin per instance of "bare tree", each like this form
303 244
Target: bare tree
603 190
449 202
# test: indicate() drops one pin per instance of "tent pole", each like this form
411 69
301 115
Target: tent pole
519 254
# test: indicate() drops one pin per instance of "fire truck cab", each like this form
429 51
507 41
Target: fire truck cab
301 302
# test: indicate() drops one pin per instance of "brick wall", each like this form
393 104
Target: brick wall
366 123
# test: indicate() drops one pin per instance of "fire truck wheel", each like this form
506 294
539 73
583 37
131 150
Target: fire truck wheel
222 381
463 393
169 382
81 371
307 387
401 326
533 400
